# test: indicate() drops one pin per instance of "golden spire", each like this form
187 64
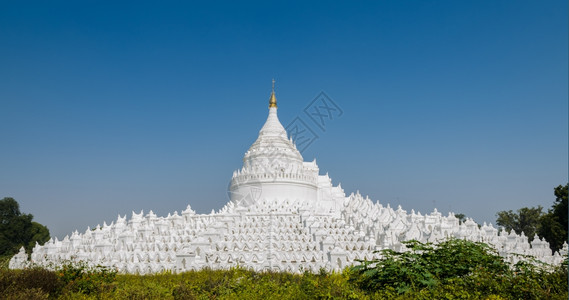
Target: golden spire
273 99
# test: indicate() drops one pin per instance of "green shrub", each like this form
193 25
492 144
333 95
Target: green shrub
38 278
184 292
457 269
28 294
35 283
81 278
5 261
426 265
143 287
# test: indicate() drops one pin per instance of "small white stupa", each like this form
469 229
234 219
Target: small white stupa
282 216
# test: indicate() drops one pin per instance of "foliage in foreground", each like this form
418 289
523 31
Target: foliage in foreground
454 269
458 269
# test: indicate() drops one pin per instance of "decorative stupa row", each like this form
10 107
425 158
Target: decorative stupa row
282 216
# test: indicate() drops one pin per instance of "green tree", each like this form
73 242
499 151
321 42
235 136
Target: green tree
552 231
560 205
526 220
461 218
554 223
17 229
38 233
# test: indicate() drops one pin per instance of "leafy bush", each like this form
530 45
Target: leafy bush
457 269
32 283
426 265
28 294
81 278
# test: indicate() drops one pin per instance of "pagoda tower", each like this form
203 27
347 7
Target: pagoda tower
282 216
273 168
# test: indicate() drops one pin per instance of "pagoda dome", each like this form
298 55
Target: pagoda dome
271 161
272 149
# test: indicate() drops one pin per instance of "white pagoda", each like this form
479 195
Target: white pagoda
282 216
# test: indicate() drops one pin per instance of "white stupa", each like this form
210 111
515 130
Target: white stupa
282 215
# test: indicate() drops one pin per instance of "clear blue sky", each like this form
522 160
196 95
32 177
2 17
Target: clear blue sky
109 107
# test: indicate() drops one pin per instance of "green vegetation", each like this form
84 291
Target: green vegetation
99 283
454 269
554 224
525 219
461 218
458 269
18 229
551 225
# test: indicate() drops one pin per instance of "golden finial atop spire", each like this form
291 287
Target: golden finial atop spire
273 99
